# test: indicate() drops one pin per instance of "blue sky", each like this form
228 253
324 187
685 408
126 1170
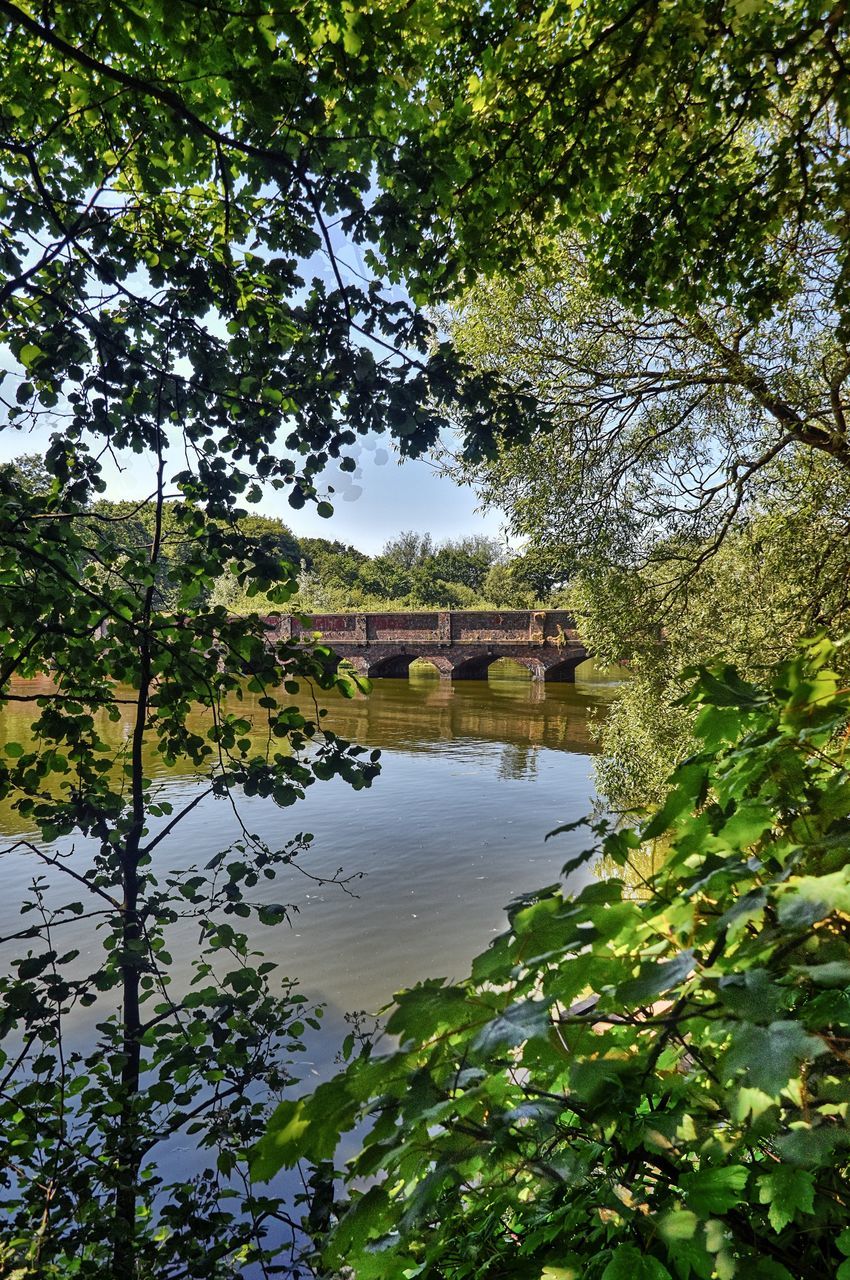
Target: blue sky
383 497
371 505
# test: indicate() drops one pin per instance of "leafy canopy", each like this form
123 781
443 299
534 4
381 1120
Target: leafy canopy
666 427
176 184
677 137
176 187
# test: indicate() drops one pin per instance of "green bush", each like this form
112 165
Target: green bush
649 1078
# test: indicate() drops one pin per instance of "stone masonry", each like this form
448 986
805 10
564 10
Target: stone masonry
460 644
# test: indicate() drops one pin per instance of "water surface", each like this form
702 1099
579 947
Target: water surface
474 776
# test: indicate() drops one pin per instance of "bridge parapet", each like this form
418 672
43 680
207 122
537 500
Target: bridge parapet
461 644
472 626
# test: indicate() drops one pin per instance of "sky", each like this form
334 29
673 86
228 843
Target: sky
379 500
382 498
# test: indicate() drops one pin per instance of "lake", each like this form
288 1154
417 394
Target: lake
474 775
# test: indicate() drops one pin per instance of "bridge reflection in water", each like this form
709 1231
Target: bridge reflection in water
419 715
475 774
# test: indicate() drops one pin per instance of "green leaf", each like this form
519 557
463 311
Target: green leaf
654 979
807 899
32 966
746 826
29 353
771 1056
280 1147
752 995
690 782
678 1224
352 42
787 1191
305 1128
725 688
832 973
363 1222
807 1144
714 1190
629 1264
513 1026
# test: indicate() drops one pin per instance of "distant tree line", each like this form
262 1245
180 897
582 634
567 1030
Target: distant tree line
413 571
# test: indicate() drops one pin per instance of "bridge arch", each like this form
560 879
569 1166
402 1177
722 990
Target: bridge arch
390 665
544 668
445 666
474 668
477 666
564 668
534 665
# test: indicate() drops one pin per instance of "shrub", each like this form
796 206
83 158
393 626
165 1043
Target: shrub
649 1078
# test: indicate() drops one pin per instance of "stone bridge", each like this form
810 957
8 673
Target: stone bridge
460 644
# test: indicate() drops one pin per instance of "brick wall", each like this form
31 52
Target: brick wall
458 627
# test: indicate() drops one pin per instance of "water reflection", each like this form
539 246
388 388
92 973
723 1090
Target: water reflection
519 760
474 776
420 715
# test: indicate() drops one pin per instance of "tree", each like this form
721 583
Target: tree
681 140
157 148
505 587
175 180
408 550
675 490
84 605
645 1077
666 428
30 473
465 560
324 555
279 538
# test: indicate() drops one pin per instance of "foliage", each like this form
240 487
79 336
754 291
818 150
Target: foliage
781 574
515 585
677 493
176 181
666 428
466 560
411 572
168 195
673 172
103 1065
409 549
678 138
632 1082
30 473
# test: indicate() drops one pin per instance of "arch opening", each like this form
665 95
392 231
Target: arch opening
510 669
473 668
564 671
430 665
394 666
